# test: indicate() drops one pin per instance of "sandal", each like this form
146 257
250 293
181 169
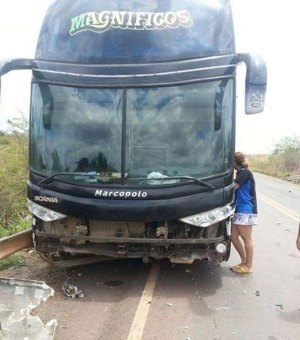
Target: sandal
242 269
237 265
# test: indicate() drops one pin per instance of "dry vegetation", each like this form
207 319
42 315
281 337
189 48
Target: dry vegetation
13 178
283 162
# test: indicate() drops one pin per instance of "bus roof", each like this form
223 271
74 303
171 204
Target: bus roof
136 31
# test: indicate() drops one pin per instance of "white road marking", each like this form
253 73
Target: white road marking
139 321
279 207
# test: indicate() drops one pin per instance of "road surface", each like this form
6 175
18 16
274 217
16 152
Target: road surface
129 300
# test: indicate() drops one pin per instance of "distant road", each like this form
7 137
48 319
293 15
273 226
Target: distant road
285 195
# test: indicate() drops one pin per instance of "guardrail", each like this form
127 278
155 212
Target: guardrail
14 243
294 179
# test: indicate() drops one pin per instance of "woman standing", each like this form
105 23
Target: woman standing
245 215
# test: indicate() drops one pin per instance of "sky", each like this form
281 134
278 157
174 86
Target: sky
268 28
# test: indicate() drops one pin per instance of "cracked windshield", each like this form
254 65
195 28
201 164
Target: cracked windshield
88 136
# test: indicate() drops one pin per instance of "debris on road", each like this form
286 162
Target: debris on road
219 308
222 308
17 299
72 291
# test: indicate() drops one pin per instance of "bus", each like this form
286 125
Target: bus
132 129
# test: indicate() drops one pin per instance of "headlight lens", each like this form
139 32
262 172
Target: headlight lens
43 213
210 217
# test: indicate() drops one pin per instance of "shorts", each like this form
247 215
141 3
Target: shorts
244 219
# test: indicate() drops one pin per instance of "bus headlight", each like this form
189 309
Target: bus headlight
209 217
43 213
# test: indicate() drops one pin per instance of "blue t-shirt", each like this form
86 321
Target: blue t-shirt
246 194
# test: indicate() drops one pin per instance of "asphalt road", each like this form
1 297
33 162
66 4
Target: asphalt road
129 300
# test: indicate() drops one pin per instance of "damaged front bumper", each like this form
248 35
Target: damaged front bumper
179 241
202 236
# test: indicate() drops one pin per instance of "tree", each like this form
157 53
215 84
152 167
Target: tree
287 144
287 155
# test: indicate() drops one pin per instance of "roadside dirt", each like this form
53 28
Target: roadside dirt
111 291
32 262
34 268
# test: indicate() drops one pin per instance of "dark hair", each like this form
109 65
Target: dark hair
240 159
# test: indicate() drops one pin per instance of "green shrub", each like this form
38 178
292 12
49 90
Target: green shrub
13 179
12 261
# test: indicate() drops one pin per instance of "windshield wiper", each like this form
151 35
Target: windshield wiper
51 178
166 178
197 180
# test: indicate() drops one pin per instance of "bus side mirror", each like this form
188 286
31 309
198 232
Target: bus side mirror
256 82
8 65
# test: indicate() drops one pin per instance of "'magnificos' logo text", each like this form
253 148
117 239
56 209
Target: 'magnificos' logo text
102 21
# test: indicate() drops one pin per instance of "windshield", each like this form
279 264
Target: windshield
138 136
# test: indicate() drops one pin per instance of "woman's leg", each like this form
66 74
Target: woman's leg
245 232
238 245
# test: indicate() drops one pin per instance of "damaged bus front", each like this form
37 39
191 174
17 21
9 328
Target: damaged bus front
132 128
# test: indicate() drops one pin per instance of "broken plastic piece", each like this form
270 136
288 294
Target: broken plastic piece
17 299
72 291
